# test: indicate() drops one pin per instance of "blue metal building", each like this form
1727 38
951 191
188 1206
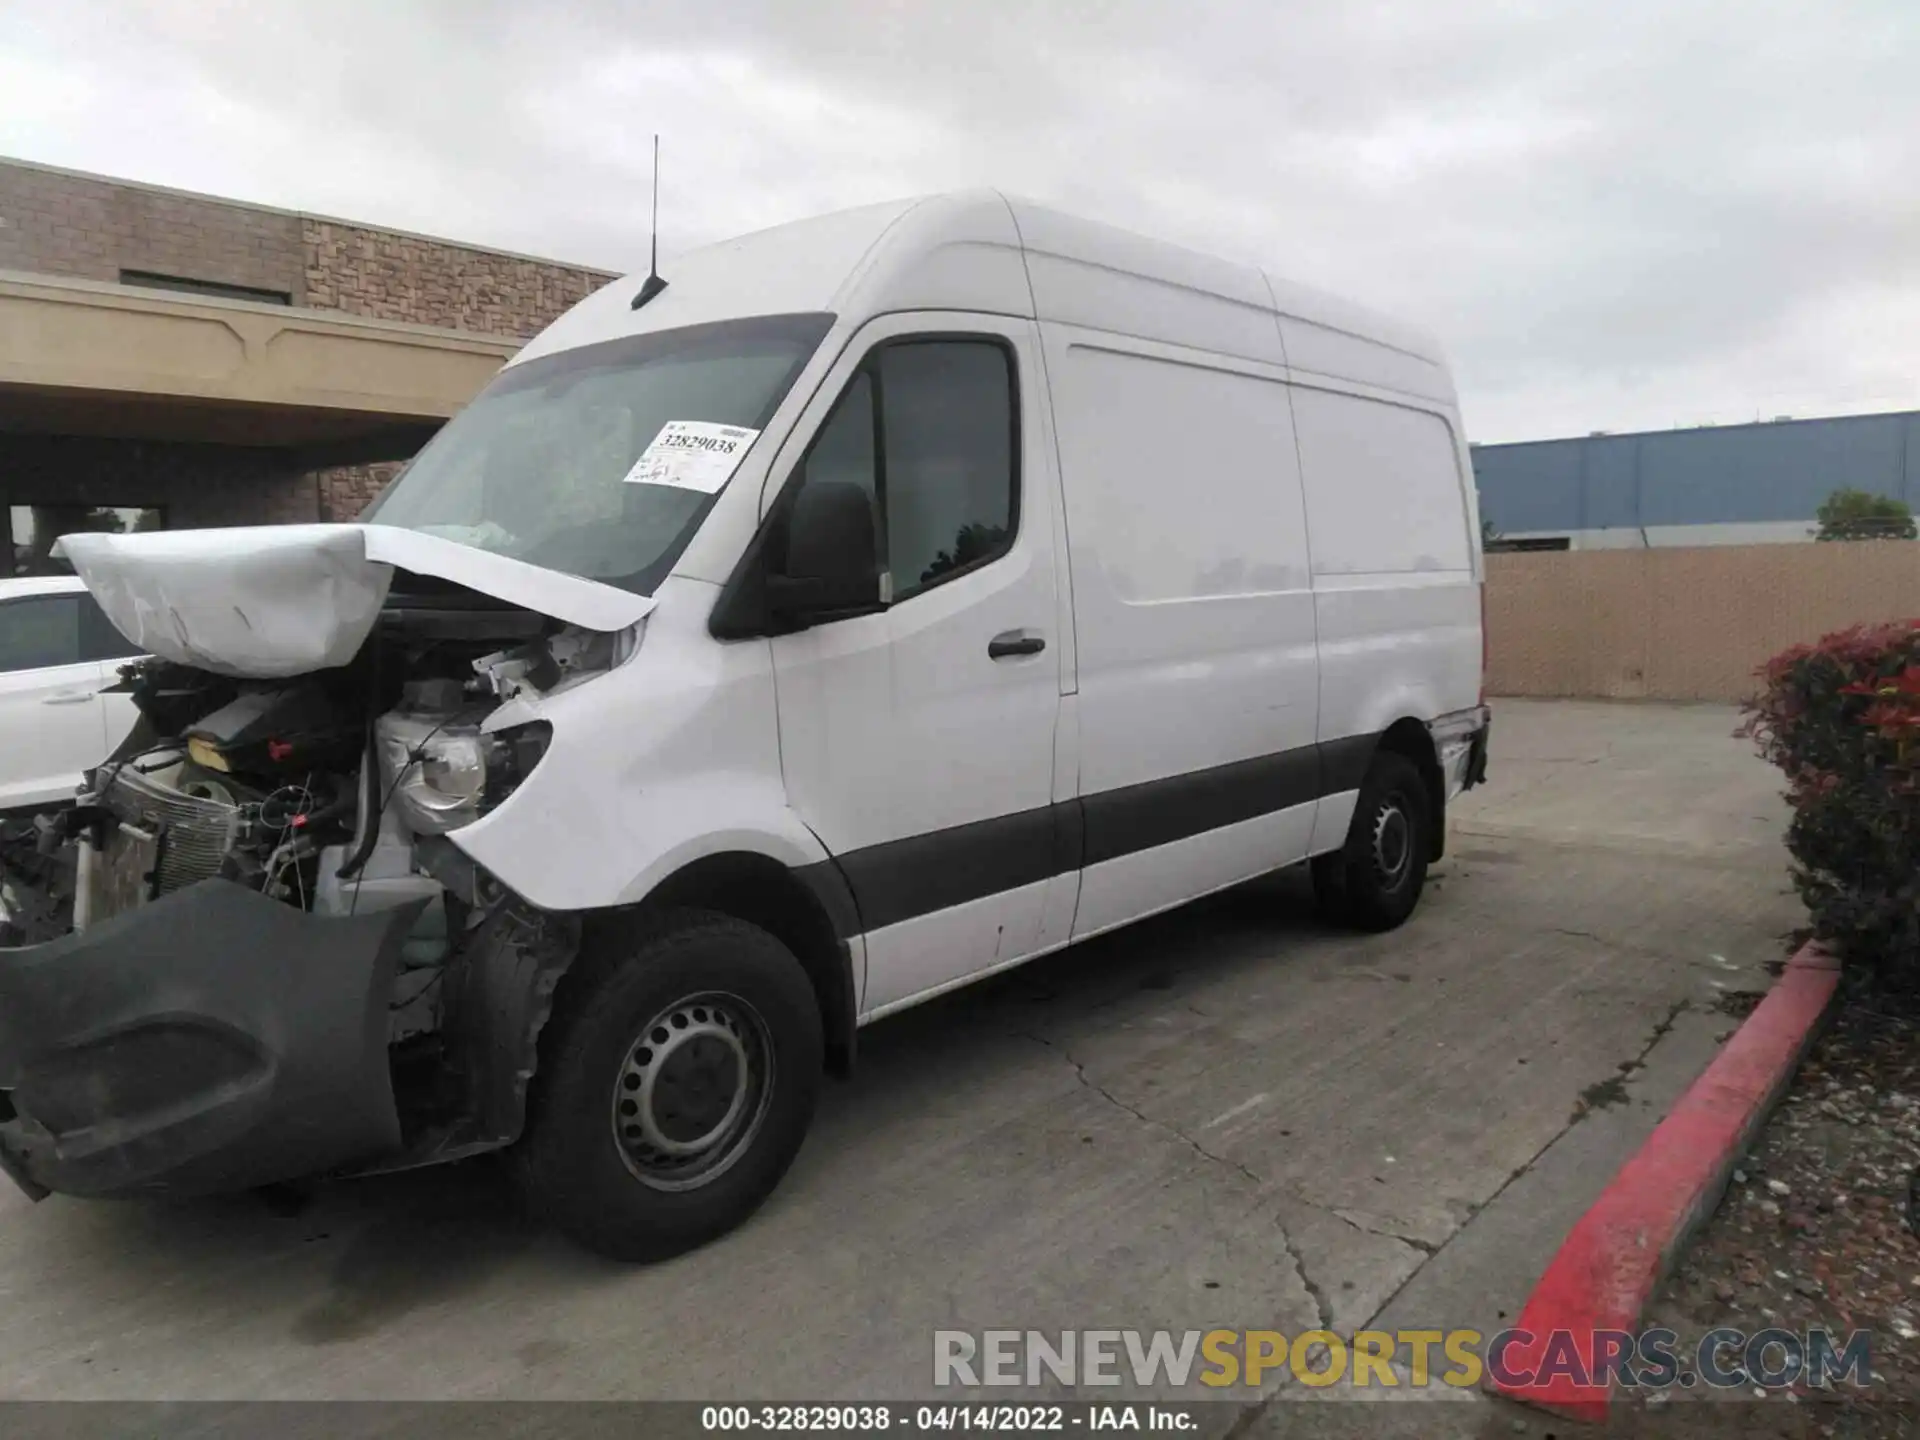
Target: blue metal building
1714 485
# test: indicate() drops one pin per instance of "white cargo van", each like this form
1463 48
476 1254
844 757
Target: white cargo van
885 601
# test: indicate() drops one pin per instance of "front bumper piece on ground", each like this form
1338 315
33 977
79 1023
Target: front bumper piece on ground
212 1040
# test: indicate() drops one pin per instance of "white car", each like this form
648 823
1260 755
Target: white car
58 652
866 606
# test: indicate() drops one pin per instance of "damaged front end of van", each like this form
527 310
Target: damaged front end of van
281 965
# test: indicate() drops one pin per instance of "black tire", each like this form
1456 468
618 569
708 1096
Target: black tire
1374 881
732 1002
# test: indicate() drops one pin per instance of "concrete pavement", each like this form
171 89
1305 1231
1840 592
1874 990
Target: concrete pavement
1230 1116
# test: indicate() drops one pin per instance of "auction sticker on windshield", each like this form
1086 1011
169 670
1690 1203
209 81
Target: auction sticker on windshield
691 455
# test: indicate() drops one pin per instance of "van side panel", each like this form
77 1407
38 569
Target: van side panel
1198 684
1395 647
1315 350
946 252
1092 275
1383 487
1396 591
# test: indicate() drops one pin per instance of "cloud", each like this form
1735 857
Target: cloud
1615 215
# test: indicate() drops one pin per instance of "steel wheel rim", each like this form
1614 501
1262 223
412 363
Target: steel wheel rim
1392 842
692 1091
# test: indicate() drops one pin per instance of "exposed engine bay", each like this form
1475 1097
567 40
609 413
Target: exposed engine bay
331 795
314 790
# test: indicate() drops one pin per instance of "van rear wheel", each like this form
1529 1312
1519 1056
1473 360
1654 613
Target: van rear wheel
677 1080
1374 880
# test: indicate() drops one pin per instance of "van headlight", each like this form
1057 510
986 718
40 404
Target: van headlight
444 773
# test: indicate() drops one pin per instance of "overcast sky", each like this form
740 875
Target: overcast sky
1618 215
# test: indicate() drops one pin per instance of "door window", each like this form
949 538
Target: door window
39 631
843 453
927 428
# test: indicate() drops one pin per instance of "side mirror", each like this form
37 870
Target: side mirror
832 558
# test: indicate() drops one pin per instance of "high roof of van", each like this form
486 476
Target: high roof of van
991 253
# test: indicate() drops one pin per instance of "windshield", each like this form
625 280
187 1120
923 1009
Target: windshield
544 467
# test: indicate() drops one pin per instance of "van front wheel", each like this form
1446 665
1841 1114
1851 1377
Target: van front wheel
1374 880
677 1081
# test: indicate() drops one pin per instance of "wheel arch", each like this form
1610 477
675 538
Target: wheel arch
1412 739
808 909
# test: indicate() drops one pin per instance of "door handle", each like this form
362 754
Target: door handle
68 697
1014 642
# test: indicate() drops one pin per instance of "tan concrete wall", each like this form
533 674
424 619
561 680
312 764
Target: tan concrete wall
1680 624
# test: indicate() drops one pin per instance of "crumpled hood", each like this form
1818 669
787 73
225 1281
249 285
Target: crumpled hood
279 600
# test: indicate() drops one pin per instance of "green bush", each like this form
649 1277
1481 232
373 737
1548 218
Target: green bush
1862 515
1841 718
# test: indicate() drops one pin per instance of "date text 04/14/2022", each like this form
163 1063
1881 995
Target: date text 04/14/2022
911 1418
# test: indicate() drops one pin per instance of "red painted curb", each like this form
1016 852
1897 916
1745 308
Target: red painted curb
1612 1259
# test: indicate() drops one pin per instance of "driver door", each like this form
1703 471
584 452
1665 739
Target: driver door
918 740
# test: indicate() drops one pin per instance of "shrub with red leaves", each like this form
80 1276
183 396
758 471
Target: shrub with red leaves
1841 718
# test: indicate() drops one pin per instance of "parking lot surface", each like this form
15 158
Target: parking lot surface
1230 1116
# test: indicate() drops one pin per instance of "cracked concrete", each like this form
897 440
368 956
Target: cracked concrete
1322 1307
1368 1226
1324 1314
1080 1073
1230 1116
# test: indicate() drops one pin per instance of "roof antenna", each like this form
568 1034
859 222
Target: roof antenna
654 284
